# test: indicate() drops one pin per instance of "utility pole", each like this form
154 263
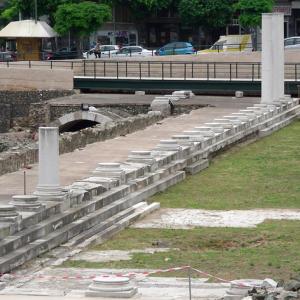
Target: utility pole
35 11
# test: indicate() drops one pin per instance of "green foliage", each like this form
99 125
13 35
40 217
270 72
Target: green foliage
207 13
82 18
26 7
250 11
150 5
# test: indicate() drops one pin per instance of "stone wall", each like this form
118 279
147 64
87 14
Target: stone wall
58 110
12 161
43 113
19 104
5 112
73 140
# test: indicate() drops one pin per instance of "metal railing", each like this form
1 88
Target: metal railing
162 70
170 70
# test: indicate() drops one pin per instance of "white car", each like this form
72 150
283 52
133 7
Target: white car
105 51
292 42
134 51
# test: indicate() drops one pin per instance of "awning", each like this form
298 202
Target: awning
28 29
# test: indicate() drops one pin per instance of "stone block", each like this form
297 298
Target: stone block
28 203
111 170
239 94
161 105
8 213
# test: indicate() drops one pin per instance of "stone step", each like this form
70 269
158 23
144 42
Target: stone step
65 233
37 231
197 166
80 238
57 221
97 228
277 126
104 235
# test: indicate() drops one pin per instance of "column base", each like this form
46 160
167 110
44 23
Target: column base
50 193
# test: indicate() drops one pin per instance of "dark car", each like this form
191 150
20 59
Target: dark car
6 56
64 53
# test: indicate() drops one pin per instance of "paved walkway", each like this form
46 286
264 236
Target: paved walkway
80 164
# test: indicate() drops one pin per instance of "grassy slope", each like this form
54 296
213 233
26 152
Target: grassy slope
263 174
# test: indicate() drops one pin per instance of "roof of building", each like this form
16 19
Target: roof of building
28 29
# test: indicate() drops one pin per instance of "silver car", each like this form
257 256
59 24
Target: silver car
292 42
134 51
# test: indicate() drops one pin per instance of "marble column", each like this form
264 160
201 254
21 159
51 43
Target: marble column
272 58
48 183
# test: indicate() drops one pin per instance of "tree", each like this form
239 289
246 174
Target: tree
210 14
250 11
81 18
26 8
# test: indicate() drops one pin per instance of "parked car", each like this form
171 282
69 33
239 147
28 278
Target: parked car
64 53
105 51
292 42
6 56
231 43
134 51
176 48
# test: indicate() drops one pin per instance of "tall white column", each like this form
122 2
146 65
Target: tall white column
278 49
272 57
48 184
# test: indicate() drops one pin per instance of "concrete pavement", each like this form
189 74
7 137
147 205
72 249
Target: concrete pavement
80 163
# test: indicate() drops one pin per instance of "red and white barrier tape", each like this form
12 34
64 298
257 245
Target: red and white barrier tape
130 274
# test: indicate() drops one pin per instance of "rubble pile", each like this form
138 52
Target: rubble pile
267 289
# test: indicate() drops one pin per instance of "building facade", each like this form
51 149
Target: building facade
291 10
165 26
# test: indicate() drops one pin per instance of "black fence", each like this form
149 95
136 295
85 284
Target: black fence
162 70
180 70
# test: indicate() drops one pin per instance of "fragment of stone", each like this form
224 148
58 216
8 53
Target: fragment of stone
292 285
111 286
27 203
8 213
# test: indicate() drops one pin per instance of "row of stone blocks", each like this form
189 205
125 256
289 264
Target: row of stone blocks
96 203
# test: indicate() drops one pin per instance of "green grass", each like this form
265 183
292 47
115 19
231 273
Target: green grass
270 250
265 174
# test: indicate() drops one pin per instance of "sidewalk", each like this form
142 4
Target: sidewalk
80 163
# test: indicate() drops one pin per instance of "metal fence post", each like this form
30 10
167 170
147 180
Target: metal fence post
171 70
207 71
140 69
162 71
230 72
184 71
104 68
215 73
296 75
252 72
192 70
84 68
190 284
94 69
